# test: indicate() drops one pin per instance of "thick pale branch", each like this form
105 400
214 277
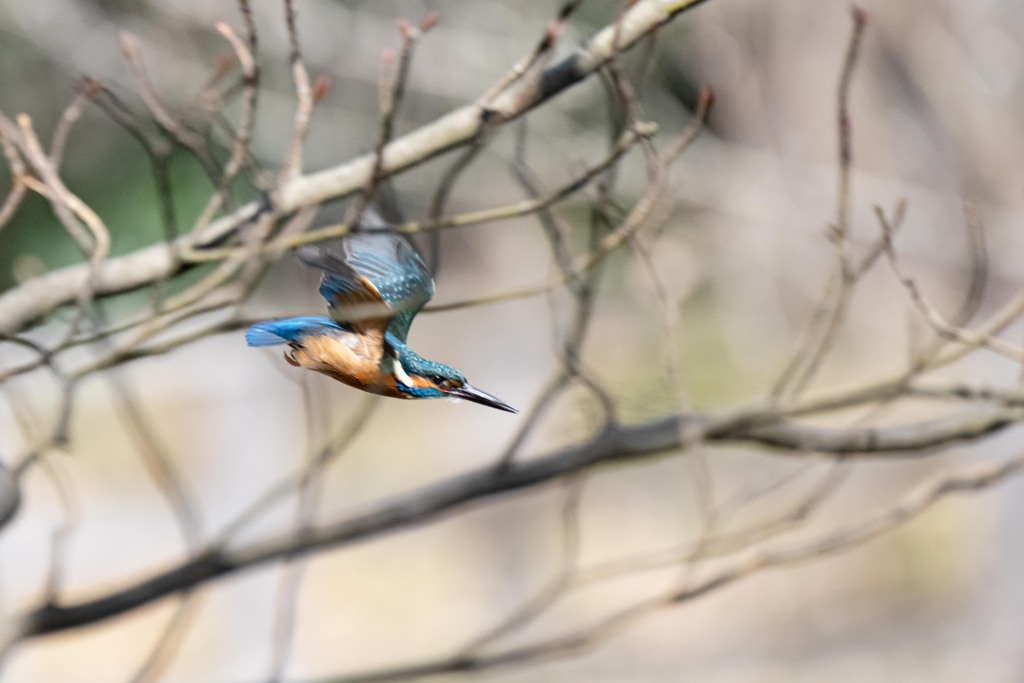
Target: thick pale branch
32 301
613 444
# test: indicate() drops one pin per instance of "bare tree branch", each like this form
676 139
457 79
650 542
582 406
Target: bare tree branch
41 296
743 565
613 444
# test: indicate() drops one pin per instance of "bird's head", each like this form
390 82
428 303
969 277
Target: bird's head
422 378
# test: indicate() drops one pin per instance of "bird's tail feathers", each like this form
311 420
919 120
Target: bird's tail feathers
263 335
274 332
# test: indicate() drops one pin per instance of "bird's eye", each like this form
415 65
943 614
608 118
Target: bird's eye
440 381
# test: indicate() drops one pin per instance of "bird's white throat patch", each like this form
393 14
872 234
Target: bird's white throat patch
400 374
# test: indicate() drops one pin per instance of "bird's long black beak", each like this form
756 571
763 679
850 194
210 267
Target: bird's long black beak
471 393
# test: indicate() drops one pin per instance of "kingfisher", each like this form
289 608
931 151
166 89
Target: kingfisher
374 286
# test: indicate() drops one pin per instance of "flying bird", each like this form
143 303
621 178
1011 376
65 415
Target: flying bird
374 286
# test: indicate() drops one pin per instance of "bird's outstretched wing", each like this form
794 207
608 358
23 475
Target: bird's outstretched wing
377 282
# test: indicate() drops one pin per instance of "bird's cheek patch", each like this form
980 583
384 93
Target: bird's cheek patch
423 383
401 375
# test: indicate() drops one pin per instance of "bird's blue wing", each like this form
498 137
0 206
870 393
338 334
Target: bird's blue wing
389 261
274 332
352 299
376 268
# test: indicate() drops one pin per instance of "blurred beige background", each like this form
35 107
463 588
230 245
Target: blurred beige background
937 104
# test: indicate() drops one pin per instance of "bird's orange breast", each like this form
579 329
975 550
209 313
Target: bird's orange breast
351 358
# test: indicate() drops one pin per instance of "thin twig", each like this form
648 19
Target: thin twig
304 98
932 315
825 322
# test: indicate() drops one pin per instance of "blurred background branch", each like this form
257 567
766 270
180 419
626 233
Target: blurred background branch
730 355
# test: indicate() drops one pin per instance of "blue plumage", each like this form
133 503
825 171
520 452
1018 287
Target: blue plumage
414 364
375 284
288 330
396 275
